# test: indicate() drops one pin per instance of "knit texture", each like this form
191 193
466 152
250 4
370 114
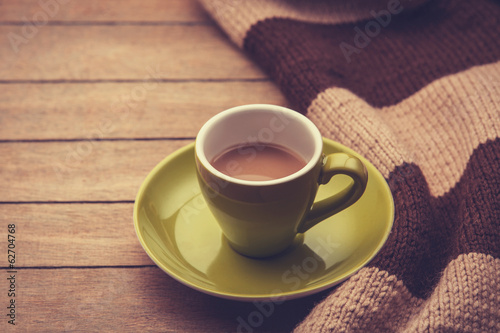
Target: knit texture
414 86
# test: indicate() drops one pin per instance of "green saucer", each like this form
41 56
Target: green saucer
180 235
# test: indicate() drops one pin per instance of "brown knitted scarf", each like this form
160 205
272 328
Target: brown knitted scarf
414 86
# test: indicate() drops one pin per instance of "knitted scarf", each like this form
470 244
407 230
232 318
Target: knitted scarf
414 86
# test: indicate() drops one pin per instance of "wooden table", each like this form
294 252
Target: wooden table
93 94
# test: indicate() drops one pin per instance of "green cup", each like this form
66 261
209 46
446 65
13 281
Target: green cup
261 218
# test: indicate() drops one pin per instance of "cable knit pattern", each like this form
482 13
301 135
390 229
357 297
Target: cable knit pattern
414 86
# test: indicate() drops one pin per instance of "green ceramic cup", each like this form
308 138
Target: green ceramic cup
263 218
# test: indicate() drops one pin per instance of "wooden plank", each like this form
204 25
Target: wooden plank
138 300
99 11
62 235
79 171
124 110
121 53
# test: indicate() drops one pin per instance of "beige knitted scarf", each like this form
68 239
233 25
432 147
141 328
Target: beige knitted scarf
414 86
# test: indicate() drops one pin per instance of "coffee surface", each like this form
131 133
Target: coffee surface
258 162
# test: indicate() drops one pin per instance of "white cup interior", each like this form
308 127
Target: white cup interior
259 124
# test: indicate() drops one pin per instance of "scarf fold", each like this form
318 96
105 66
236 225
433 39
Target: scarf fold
414 86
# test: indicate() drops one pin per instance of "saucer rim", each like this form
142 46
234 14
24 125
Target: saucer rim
282 296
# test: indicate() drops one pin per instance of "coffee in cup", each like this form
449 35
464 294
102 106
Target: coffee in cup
267 162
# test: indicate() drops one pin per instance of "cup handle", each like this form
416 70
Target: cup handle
335 164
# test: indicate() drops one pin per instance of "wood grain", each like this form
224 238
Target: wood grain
71 235
103 11
141 76
121 110
121 53
79 171
136 300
